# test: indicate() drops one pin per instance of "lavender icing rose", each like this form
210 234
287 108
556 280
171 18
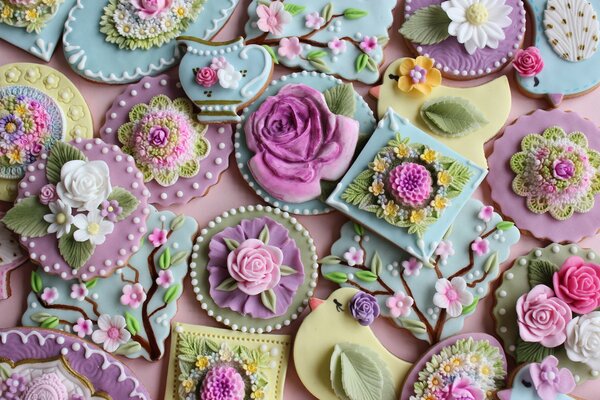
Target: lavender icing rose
564 169
255 266
298 142
364 308
48 194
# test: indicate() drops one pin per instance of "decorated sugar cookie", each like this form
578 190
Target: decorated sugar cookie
406 186
46 364
544 175
11 256
81 210
155 117
121 41
299 138
546 306
35 26
39 106
461 118
140 298
254 268
211 363
467 39
415 294
566 45
222 78
344 38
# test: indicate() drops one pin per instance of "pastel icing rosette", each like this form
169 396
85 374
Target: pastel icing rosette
577 283
297 142
254 268
165 140
583 336
222 383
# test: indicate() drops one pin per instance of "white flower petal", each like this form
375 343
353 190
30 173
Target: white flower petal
104 322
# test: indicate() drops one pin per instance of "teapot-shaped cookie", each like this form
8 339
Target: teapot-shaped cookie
223 77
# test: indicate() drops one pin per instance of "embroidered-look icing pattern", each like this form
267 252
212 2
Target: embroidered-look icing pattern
408 185
30 122
30 14
143 24
557 173
165 140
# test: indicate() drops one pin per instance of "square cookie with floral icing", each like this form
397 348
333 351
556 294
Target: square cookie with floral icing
121 41
138 301
211 363
406 186
339 37
46 364
35 26
82 210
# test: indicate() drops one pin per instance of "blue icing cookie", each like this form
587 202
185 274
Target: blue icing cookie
340 37
39 35
223 77
567 71
523 389
107 41
406 186
361 259
140 299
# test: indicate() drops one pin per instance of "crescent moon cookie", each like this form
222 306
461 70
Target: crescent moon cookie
154 122
467 39
544 175
39 106
81 211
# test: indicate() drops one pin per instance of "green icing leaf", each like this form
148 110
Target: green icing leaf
40 317
133 325
179 257
269 50
471 307
129 348
228 285
505 225
330 260
293 9
451 116
358 229
341 100
164 260
126 201
231 244
532 352
177 222
264 235
36 282
337 277
75 253
315 55
50 323
320 65
60 154
91 284
366 276
491 263
327 12
541 272
376 264
428 25
354 13
372 65
172 293
286 270
26 218
361 62
269 299
413 325
361 377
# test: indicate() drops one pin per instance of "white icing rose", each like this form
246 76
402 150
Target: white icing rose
84 184
583 340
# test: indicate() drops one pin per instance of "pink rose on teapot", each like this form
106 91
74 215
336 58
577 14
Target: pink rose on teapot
148 9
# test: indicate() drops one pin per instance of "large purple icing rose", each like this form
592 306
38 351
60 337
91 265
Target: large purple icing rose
255 266
222 383
411 183
298 142
364 308
238 300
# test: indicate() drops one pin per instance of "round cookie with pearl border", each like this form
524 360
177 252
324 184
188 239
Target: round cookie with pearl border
545 305
81 211
154 122
38 107
254 268
299 137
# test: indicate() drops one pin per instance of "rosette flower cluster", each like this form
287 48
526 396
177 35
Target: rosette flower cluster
222 383
411 184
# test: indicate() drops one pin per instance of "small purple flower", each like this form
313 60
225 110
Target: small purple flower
48 194
13 387
110 210
364 308
36 149
11 127
563 169
368 44
158 136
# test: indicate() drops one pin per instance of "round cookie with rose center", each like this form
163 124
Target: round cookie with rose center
254 268
81 210
467 39
161 115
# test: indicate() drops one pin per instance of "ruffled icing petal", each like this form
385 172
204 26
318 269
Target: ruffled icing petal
434 77
423 88
347 139
406 66
405 84
425 62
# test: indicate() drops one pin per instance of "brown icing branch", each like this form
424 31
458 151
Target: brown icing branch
135 271
468 267
94 306
64 307
420 315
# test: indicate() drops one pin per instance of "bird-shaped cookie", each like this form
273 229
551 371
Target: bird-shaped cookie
487 105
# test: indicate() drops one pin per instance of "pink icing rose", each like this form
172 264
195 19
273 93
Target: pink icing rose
542 317
255 266
528 62
577 283
297 142
563 169
48 194
151 8
462 389
206 76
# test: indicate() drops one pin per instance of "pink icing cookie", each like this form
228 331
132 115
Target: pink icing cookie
205 166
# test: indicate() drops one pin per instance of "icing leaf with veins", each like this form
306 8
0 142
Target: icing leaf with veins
26 218
264 235
172 293
228 285
231 244
60 154
354 13
293 9
269 50
413 325
532 352
340 100
428 25
327 12
471 307
269 299
75 253
36 282
541 272
330 260
287 270
451 116
376 264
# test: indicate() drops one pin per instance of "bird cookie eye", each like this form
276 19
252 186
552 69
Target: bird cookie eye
525 383
338 305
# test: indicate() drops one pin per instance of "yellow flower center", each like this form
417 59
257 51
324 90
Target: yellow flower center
477 14
252 368
93 228
61 218
110 209
10 127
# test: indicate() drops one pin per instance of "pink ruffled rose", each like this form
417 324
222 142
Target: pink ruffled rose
151 8
577 283
48 194
298 142
542 317
461 389
206 77
255 266
528 62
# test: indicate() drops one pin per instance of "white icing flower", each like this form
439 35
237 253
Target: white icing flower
84 184
583 339
92 227
477 23
111 332
60 220
229 78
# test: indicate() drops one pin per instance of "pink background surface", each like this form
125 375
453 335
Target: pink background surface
232 191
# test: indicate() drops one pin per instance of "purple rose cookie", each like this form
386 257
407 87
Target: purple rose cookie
81 210
155 123
44 364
